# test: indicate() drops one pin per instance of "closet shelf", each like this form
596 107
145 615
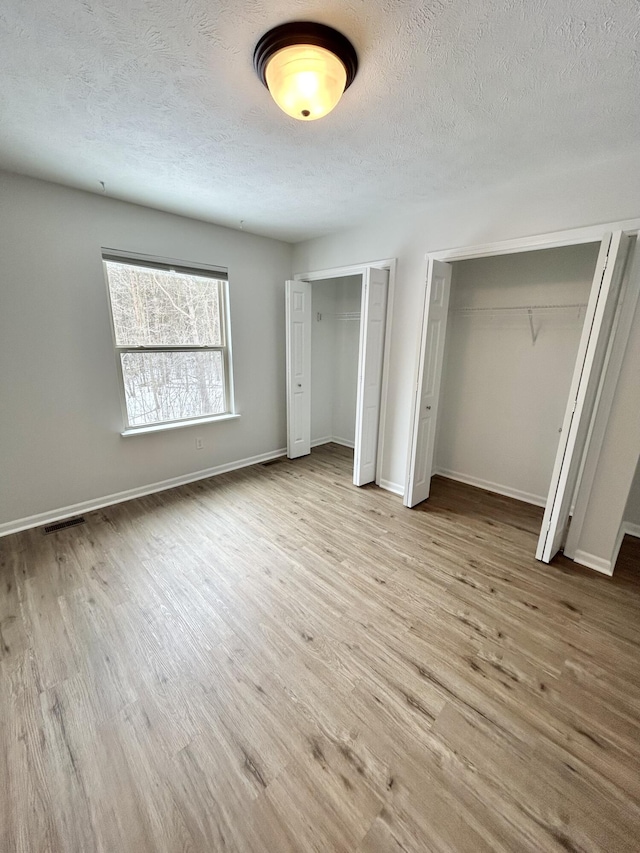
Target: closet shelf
528 310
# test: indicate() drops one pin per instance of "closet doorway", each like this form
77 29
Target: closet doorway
511 358
336 346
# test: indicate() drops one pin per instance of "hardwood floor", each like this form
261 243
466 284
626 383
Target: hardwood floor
274 661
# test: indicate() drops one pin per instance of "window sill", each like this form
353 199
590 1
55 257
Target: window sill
178 424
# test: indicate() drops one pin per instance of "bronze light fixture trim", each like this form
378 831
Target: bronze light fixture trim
306 67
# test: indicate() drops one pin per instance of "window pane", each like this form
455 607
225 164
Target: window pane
169 386
162 308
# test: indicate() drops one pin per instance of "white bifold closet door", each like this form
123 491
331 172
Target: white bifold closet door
298 345
375 287
375 291
425 410
584 388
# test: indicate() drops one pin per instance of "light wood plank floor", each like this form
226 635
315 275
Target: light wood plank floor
273 661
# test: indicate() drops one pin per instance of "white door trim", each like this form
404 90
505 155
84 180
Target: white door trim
359 269
375 292
341 272
551 240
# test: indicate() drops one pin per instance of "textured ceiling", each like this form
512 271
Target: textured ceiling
158 99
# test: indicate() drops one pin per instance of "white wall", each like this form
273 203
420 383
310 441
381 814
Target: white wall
334 358
601 192
503 396
60 416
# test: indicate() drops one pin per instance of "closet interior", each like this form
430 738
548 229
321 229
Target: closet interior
629 555
632 512
513 329
335 337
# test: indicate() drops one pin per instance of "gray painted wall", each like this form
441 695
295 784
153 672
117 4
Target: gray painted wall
60 418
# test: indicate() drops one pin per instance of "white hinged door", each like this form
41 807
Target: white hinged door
429 375
375 287
298 344
582 395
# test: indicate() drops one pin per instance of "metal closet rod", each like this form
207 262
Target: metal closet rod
470 309
344 315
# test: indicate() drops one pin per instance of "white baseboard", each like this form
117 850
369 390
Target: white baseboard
593 562
396 488
631 529
332 439
119 497
343 442
316 442
507 491
607 566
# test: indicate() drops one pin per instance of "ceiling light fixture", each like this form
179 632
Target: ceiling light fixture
306 67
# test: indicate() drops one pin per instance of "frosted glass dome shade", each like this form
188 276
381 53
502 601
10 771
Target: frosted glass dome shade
306 81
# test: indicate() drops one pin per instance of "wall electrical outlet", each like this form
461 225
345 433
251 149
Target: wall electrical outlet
199 444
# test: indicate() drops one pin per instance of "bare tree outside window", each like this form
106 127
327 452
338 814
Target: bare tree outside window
169 329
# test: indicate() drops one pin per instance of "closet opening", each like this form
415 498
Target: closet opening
627 560
336 352
335 335
511 342
512 353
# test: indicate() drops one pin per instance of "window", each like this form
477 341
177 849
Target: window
171 334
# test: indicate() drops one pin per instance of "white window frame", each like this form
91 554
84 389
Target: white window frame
171 265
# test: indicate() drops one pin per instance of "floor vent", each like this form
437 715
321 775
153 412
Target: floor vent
273 461
60 525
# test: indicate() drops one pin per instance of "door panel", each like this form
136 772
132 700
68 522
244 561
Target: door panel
298 343
584 388
375 286
425 410
622 324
